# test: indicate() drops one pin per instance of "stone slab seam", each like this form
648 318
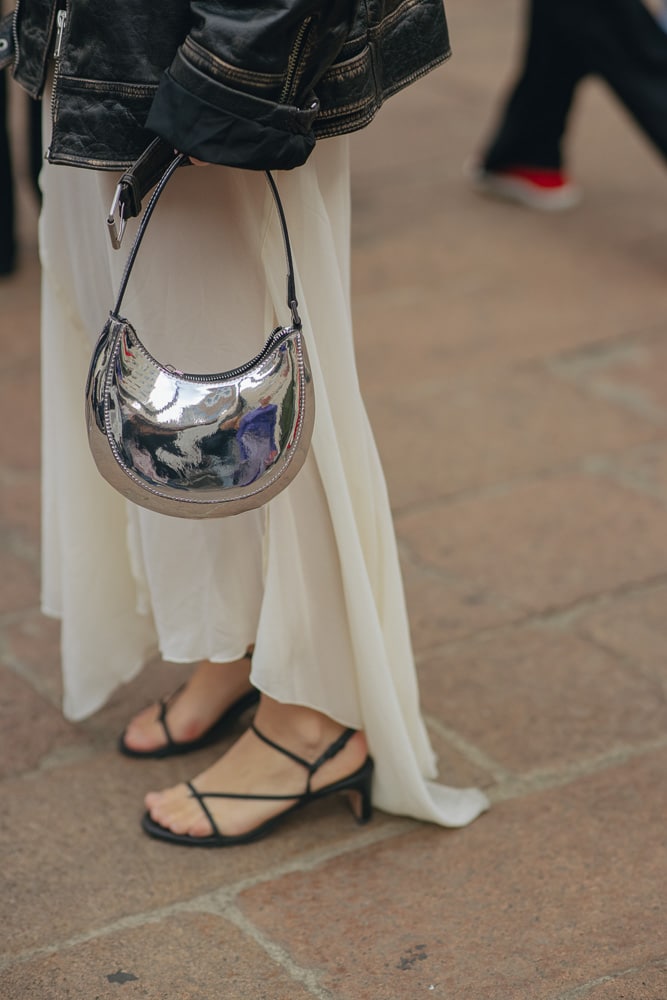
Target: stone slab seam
470 751
503 487
579 992
544 779
218 901
602 468
621 348
17 667
560 616
308 978
631 398
637 665
510 785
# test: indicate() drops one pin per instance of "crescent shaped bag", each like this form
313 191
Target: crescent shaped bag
195 445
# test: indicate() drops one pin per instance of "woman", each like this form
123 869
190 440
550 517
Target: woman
300 601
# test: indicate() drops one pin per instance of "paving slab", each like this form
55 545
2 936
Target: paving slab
185 957
442 608
19 579
457 301
635 627
538 897
544 544
455 768
647 983
19 296
442 435
20 504
632 377
31 644
20 424
533 699
643 468
31 729
84 817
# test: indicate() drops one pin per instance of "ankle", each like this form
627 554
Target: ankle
296 727
233 678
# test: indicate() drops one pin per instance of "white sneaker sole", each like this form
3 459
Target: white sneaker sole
522 192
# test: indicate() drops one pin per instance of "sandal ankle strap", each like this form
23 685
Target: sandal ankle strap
332 750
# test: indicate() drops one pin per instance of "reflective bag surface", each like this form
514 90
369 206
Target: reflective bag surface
199 445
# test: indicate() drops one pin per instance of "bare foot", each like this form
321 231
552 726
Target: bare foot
251 767
211 689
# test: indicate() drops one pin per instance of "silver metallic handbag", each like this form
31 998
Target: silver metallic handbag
196 445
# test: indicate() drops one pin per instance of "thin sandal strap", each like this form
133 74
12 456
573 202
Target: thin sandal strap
166 703
331 751
200 799
334 749
282 750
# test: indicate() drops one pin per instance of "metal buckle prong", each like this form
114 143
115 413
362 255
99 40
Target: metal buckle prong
116 232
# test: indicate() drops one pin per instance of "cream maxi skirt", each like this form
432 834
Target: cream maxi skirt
313 579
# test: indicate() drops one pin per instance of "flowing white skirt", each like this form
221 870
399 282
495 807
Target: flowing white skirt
313 579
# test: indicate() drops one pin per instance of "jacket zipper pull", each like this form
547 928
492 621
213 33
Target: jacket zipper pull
61 22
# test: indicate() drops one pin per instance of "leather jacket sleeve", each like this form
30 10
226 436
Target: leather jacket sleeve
242 87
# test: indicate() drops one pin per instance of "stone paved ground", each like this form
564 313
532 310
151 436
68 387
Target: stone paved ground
525 443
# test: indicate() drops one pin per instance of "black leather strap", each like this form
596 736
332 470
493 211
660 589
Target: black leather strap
153 169
331 751
142 176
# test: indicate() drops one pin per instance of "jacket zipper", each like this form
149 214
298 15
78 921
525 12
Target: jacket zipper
293 61
15 31
61 23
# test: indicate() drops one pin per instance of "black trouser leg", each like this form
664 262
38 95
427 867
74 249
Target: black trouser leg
617 40
35 154
534 119
631 56
7 238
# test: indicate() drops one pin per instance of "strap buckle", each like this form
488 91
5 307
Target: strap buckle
117 231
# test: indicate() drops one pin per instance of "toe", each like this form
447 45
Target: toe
144 735
200 826
181 817
166 796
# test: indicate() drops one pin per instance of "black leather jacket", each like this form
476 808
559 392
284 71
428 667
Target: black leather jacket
249 84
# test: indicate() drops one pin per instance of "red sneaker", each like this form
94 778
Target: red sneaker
536 187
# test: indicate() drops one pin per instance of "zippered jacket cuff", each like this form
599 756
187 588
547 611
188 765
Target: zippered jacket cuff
211 121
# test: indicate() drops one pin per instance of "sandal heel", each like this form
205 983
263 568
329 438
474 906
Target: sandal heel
359 795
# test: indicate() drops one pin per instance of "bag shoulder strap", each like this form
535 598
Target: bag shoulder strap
153 169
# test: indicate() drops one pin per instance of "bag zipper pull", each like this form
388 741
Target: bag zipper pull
61 22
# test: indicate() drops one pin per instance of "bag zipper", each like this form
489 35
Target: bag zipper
293 61
61 24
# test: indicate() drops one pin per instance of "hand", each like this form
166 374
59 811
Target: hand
195 162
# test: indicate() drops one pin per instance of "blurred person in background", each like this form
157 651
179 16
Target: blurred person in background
7 179
7 235
620 41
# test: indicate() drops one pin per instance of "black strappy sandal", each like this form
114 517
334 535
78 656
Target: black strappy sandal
356 785
216 732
